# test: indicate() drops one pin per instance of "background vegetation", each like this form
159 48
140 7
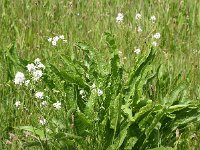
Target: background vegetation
149 100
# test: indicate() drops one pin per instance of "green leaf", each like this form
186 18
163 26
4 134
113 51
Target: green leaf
140 68
111 42
33 130
146 122
155 121
90 58
82 124
120 139
11 61
70 77
115 66
115 113
173 96
153 125
75 65
162 148
31 144
62 135
142 111
130 143
12 54
179 107
127 110
48 81
68 139
183 115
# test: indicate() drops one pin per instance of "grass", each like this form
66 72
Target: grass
161 82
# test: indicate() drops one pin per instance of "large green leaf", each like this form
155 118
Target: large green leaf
142 111
173 95
69 77
120 139
82 124
137 72
155 121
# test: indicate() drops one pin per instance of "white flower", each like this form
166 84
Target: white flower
43 121
57 105
154 43
19 78
61 37
25 109
17 103
44 103
120 52
37 74
137 51
37 61
54 43
99 92
153 19
82 92
40 66
139 29
56 38
156 36
119 17
138 16
39 95
83 96
30 67
93 86
27 82
49 39
65 41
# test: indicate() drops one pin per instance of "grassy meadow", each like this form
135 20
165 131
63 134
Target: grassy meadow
100 74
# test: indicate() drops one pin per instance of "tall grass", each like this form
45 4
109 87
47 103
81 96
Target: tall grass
139 101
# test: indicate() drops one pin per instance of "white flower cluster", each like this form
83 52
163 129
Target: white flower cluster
57 105
99 92
156 36
17 104
19 78
137 51
42 121
55 39
139 29
95 90
39 95
119 18
82 93
153 19
138 16
154 43
43 104
36 69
